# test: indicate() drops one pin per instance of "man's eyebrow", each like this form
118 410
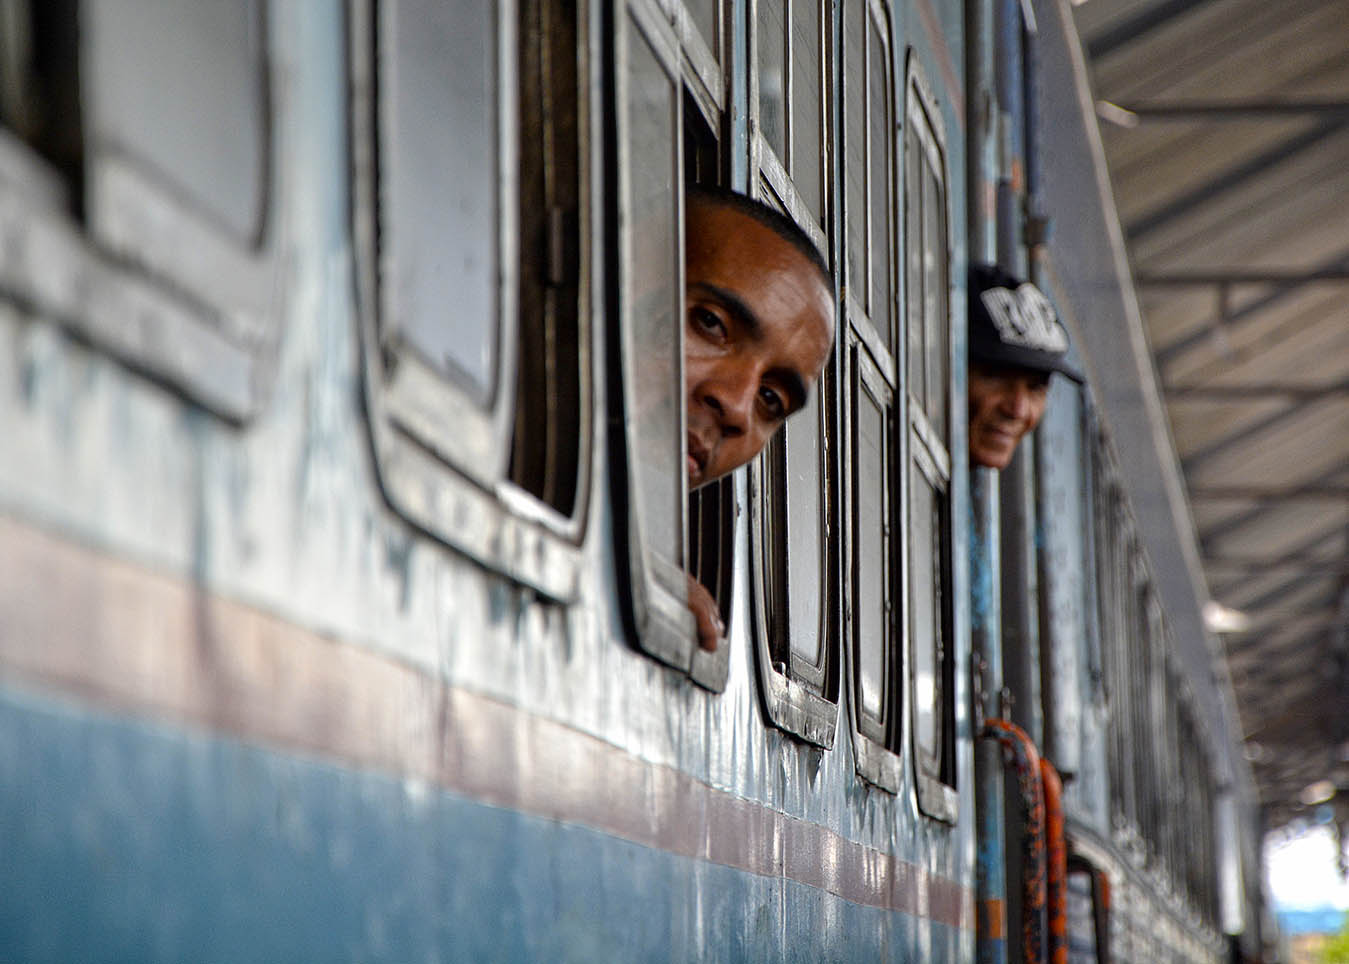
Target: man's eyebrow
733 303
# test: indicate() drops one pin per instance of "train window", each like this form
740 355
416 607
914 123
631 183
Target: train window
117 180
927 324
875 481
792 484
668 104
788 90
476 339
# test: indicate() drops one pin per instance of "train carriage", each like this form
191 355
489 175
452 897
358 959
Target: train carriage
344 526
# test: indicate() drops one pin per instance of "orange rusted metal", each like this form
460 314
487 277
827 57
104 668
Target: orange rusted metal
1020 753
1056 854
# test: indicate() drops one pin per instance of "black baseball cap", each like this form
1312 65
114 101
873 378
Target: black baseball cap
1013 324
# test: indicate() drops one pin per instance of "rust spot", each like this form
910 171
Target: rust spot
992 916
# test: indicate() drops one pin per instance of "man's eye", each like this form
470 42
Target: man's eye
707 322
772 402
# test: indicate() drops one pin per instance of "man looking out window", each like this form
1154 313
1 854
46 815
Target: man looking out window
759 324
1016 344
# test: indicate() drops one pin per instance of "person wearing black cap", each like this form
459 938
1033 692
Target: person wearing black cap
1016 344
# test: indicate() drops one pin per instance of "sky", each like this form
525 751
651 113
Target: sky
1302 872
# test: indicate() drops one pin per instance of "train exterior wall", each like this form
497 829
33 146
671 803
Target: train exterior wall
248 713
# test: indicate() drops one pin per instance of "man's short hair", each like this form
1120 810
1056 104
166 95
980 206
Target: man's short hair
770 217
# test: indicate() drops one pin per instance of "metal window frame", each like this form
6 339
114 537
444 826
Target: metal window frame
704 82
873 367
925 445
133 280
657 606
877 743
799 698
447 474
774 176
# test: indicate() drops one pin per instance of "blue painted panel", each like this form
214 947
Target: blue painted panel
125 840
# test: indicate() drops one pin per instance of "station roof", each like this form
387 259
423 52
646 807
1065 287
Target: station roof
1225 125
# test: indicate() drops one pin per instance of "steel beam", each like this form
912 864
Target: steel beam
1137 27
1324 601
1242 315
1253 392
1305 546
1238 110
1266 493
1212 450
1325 479
1224 277
1233 177
1301 561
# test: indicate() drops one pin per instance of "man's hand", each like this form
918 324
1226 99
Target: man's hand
706 615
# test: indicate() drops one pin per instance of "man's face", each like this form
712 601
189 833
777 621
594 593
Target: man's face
1005 404
759 325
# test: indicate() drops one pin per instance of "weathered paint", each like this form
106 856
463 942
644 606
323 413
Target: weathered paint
132 840
1024 761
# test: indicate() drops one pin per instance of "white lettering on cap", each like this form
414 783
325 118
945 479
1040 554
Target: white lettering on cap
1025 318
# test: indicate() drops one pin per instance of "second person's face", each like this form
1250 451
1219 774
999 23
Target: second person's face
1005 404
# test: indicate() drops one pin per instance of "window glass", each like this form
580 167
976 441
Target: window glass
855 146
807 88
650 236
804 519
924 615
703 13
160 68
914 276
878 182
934 301
772 44
929 574
873 611
440 125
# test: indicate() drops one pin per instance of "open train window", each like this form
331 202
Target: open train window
873 398
788 103
668 101
471 218
928 439
793 485
137 185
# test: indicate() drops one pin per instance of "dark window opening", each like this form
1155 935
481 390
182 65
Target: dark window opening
40 87
545 451
711 509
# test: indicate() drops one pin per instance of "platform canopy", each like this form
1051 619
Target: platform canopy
1226 132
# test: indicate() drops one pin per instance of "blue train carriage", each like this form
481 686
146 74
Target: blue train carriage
1086 627
344 522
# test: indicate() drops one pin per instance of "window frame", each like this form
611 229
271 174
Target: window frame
926 448
455 485
770 174
656 602
799 697
129 275
875 366
704 87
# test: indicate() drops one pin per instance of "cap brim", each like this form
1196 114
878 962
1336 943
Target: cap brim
1013 356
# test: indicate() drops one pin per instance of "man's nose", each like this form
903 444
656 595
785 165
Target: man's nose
1016 400
731 397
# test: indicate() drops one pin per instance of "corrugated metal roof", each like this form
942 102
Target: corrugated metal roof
1226 130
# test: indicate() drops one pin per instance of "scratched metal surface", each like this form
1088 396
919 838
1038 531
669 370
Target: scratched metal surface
169 839
173 843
